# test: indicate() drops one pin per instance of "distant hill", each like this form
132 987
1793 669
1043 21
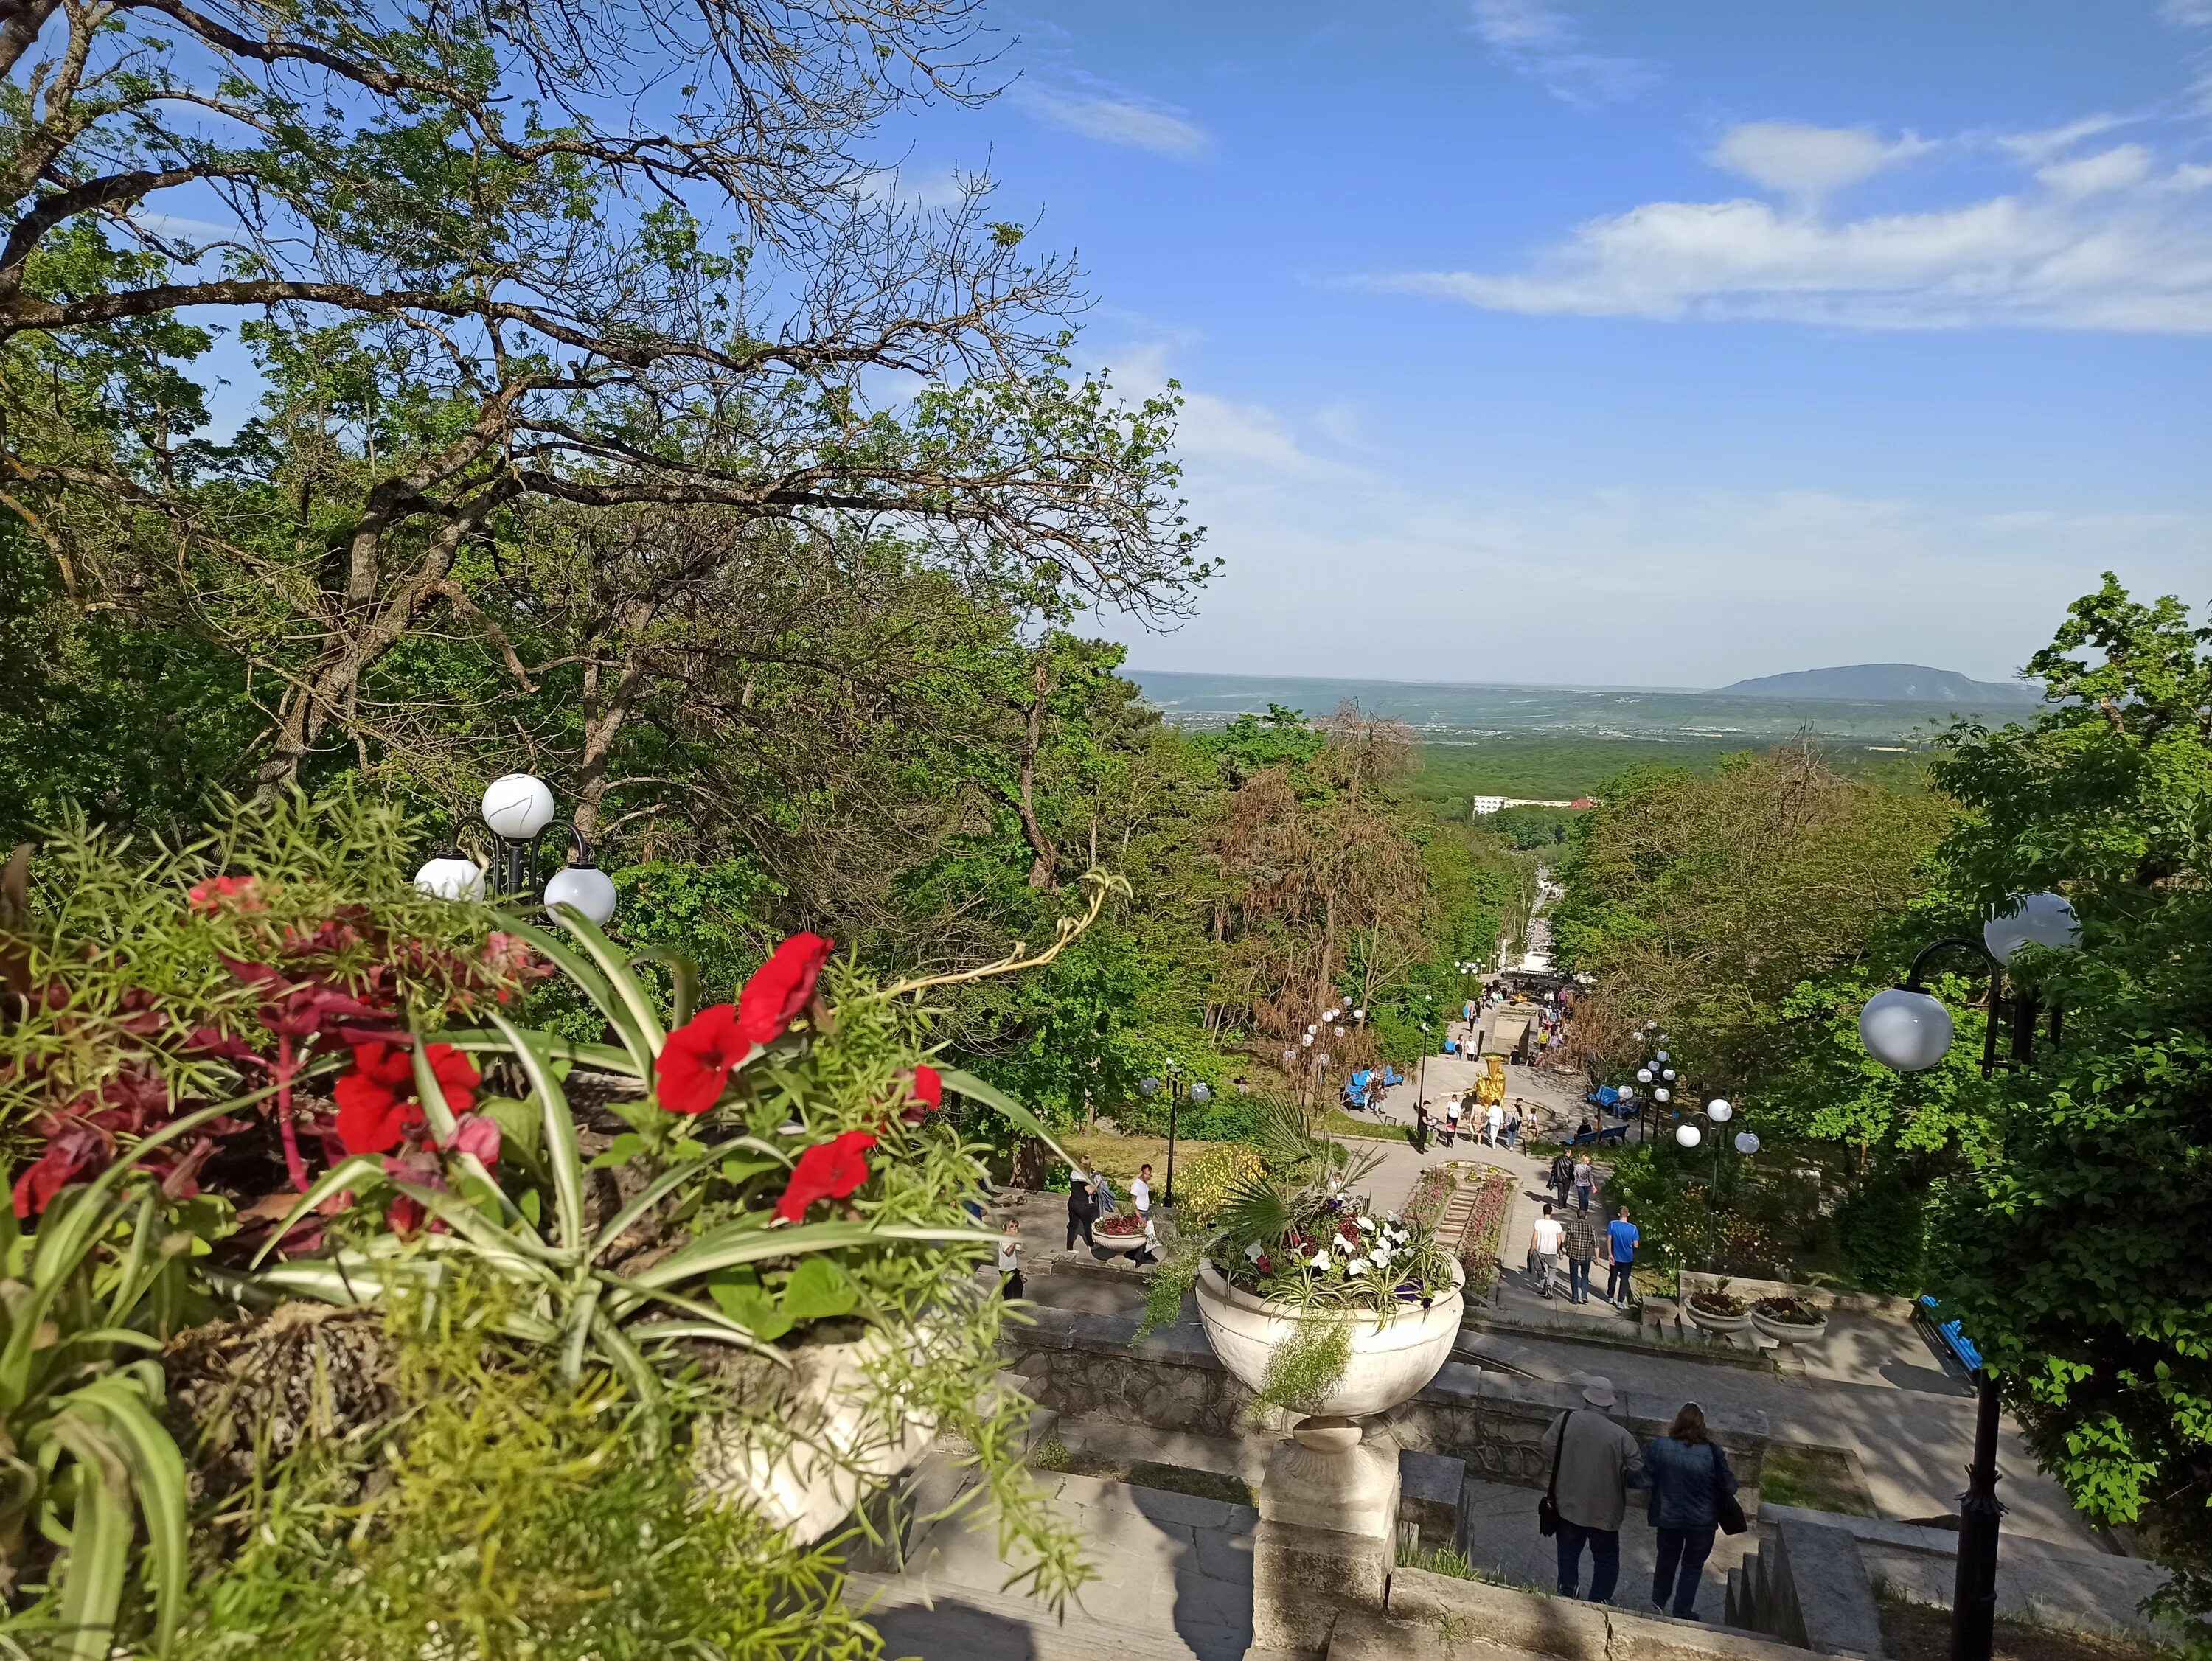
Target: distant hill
1897 683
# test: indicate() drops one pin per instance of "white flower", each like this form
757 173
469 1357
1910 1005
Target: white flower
1367 1225
1355 1266
1341 1243
1321 1259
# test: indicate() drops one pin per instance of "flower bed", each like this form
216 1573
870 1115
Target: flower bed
1120 1226
1479 1241
1717 1303
1432 1191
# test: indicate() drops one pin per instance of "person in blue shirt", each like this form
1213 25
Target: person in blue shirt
1622 1235
1688 1475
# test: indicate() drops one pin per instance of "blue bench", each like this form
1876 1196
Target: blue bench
1951 1336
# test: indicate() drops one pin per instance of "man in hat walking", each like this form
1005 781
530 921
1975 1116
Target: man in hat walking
1595 1461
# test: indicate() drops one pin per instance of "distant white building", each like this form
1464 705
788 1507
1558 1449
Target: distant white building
1486 805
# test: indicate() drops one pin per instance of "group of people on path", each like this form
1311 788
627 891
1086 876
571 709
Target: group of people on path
1497 1126
1090 1196
1577 1239
1596 1460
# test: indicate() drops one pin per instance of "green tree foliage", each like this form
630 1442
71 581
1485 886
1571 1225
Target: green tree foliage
2074 1255
1706 903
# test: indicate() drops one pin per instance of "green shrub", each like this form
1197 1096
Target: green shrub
1882 1229
509 1515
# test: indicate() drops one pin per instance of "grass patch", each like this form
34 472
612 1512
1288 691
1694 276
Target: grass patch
1053 1454
1120 1157
1921 1632
1815 1478
1341 1123
1441 1561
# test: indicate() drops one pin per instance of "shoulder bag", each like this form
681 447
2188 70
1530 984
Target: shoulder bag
1731 1512
1548 1508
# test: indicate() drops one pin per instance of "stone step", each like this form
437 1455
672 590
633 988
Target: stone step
966 1625
1173 1570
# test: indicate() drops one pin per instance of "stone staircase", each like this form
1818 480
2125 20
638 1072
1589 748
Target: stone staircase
1174 1584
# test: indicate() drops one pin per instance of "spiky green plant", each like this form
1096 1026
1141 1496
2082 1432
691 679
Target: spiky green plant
85 1304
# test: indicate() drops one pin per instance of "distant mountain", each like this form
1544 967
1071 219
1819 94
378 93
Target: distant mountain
1894 683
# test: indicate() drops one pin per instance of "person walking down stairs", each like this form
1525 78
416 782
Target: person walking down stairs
1582 1232
1595 1462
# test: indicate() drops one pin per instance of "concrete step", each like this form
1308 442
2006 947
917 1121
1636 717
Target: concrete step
966 1625
1174 1578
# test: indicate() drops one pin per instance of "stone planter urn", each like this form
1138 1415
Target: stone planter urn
1394 1354
1777 1327
818 1447
1328 1505
1118 1243
1714 1321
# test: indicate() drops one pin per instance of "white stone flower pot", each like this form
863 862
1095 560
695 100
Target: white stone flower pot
814 1444
1788 1331
1395 1353
1726 1324
1118 1243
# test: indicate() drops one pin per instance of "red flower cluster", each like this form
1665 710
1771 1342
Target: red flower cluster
218 893
700 1056
928 1095
377 1109
829 1170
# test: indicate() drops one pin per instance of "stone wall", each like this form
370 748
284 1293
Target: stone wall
1080 1363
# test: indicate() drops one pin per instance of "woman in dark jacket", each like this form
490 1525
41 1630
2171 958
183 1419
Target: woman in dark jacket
1689 1474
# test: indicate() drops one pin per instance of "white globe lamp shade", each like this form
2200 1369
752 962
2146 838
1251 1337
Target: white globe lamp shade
1664 1056
1359 1015
1643 1075
2036 919
1201 1093
586 888
1745 1142
1667 1073
1689 1135
1908 1030
1719 1111
449 877
1307 1040
1322 1058
518 805
1663 1093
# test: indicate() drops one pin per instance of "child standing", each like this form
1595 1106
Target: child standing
1010 1260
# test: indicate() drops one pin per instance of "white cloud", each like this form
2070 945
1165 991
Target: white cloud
1537 40
2188 14
1806 162
1681 587
2106 241
913 188
2120 168
1115 119
2039 146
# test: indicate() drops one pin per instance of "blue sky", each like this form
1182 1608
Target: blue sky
1619 341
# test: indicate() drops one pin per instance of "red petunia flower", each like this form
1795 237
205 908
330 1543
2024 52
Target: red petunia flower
217 891
457 1076
829 1170
376 1104
780 987
372 1119
696 1060
928 1095
477 1134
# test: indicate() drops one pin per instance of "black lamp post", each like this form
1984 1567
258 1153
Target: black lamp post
517 815
1179 1088
1908 1029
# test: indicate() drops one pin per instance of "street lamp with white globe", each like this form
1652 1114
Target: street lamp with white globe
1907 1028
1180 1088
516 813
